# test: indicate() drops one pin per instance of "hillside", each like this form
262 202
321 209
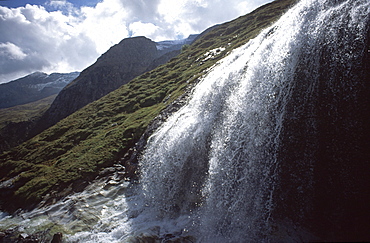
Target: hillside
16 121
120 64
66 156
24 101
24 112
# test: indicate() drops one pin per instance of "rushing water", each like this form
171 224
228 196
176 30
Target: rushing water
211 173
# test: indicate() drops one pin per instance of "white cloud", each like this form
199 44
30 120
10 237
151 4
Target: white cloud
143 29
11 51
70 38
42 41
105 24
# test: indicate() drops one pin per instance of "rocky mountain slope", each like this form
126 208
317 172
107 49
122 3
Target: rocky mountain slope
33 87
68 155
120 64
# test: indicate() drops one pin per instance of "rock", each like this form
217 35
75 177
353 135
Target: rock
79 185
57 238
107 171
24 238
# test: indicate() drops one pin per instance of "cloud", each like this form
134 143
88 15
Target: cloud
62 37
143 29
11 51
34 39
62 5
105 24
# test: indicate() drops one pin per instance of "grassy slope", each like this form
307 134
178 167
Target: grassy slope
100 133
25 112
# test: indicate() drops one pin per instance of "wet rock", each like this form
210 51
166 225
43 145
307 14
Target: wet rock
24 238
15 235
57 238
107 171
79 185
9 235
119 167
147 239
177 238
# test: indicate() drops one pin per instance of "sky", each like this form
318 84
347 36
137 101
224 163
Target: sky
69 35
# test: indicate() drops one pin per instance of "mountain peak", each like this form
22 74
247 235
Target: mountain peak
124 61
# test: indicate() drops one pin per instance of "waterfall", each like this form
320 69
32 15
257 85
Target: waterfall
242 161
218 159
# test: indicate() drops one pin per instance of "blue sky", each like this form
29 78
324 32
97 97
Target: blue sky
69 35
19 3
22 3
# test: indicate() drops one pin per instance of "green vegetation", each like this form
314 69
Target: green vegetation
100 133
25 112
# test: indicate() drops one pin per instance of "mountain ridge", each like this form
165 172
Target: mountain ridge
49 165
120 64
33 87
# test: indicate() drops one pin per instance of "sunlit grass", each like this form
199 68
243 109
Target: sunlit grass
25 112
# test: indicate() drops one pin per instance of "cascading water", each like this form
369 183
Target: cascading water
239 162
218 159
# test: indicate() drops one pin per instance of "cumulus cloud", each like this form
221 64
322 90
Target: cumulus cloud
11 51
143 29
63 37
33 39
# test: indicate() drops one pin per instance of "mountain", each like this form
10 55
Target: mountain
256 132
33 87
98 135
24 101
120 64
173 45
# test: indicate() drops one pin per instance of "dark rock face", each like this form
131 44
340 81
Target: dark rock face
57 238
33 87
324 181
